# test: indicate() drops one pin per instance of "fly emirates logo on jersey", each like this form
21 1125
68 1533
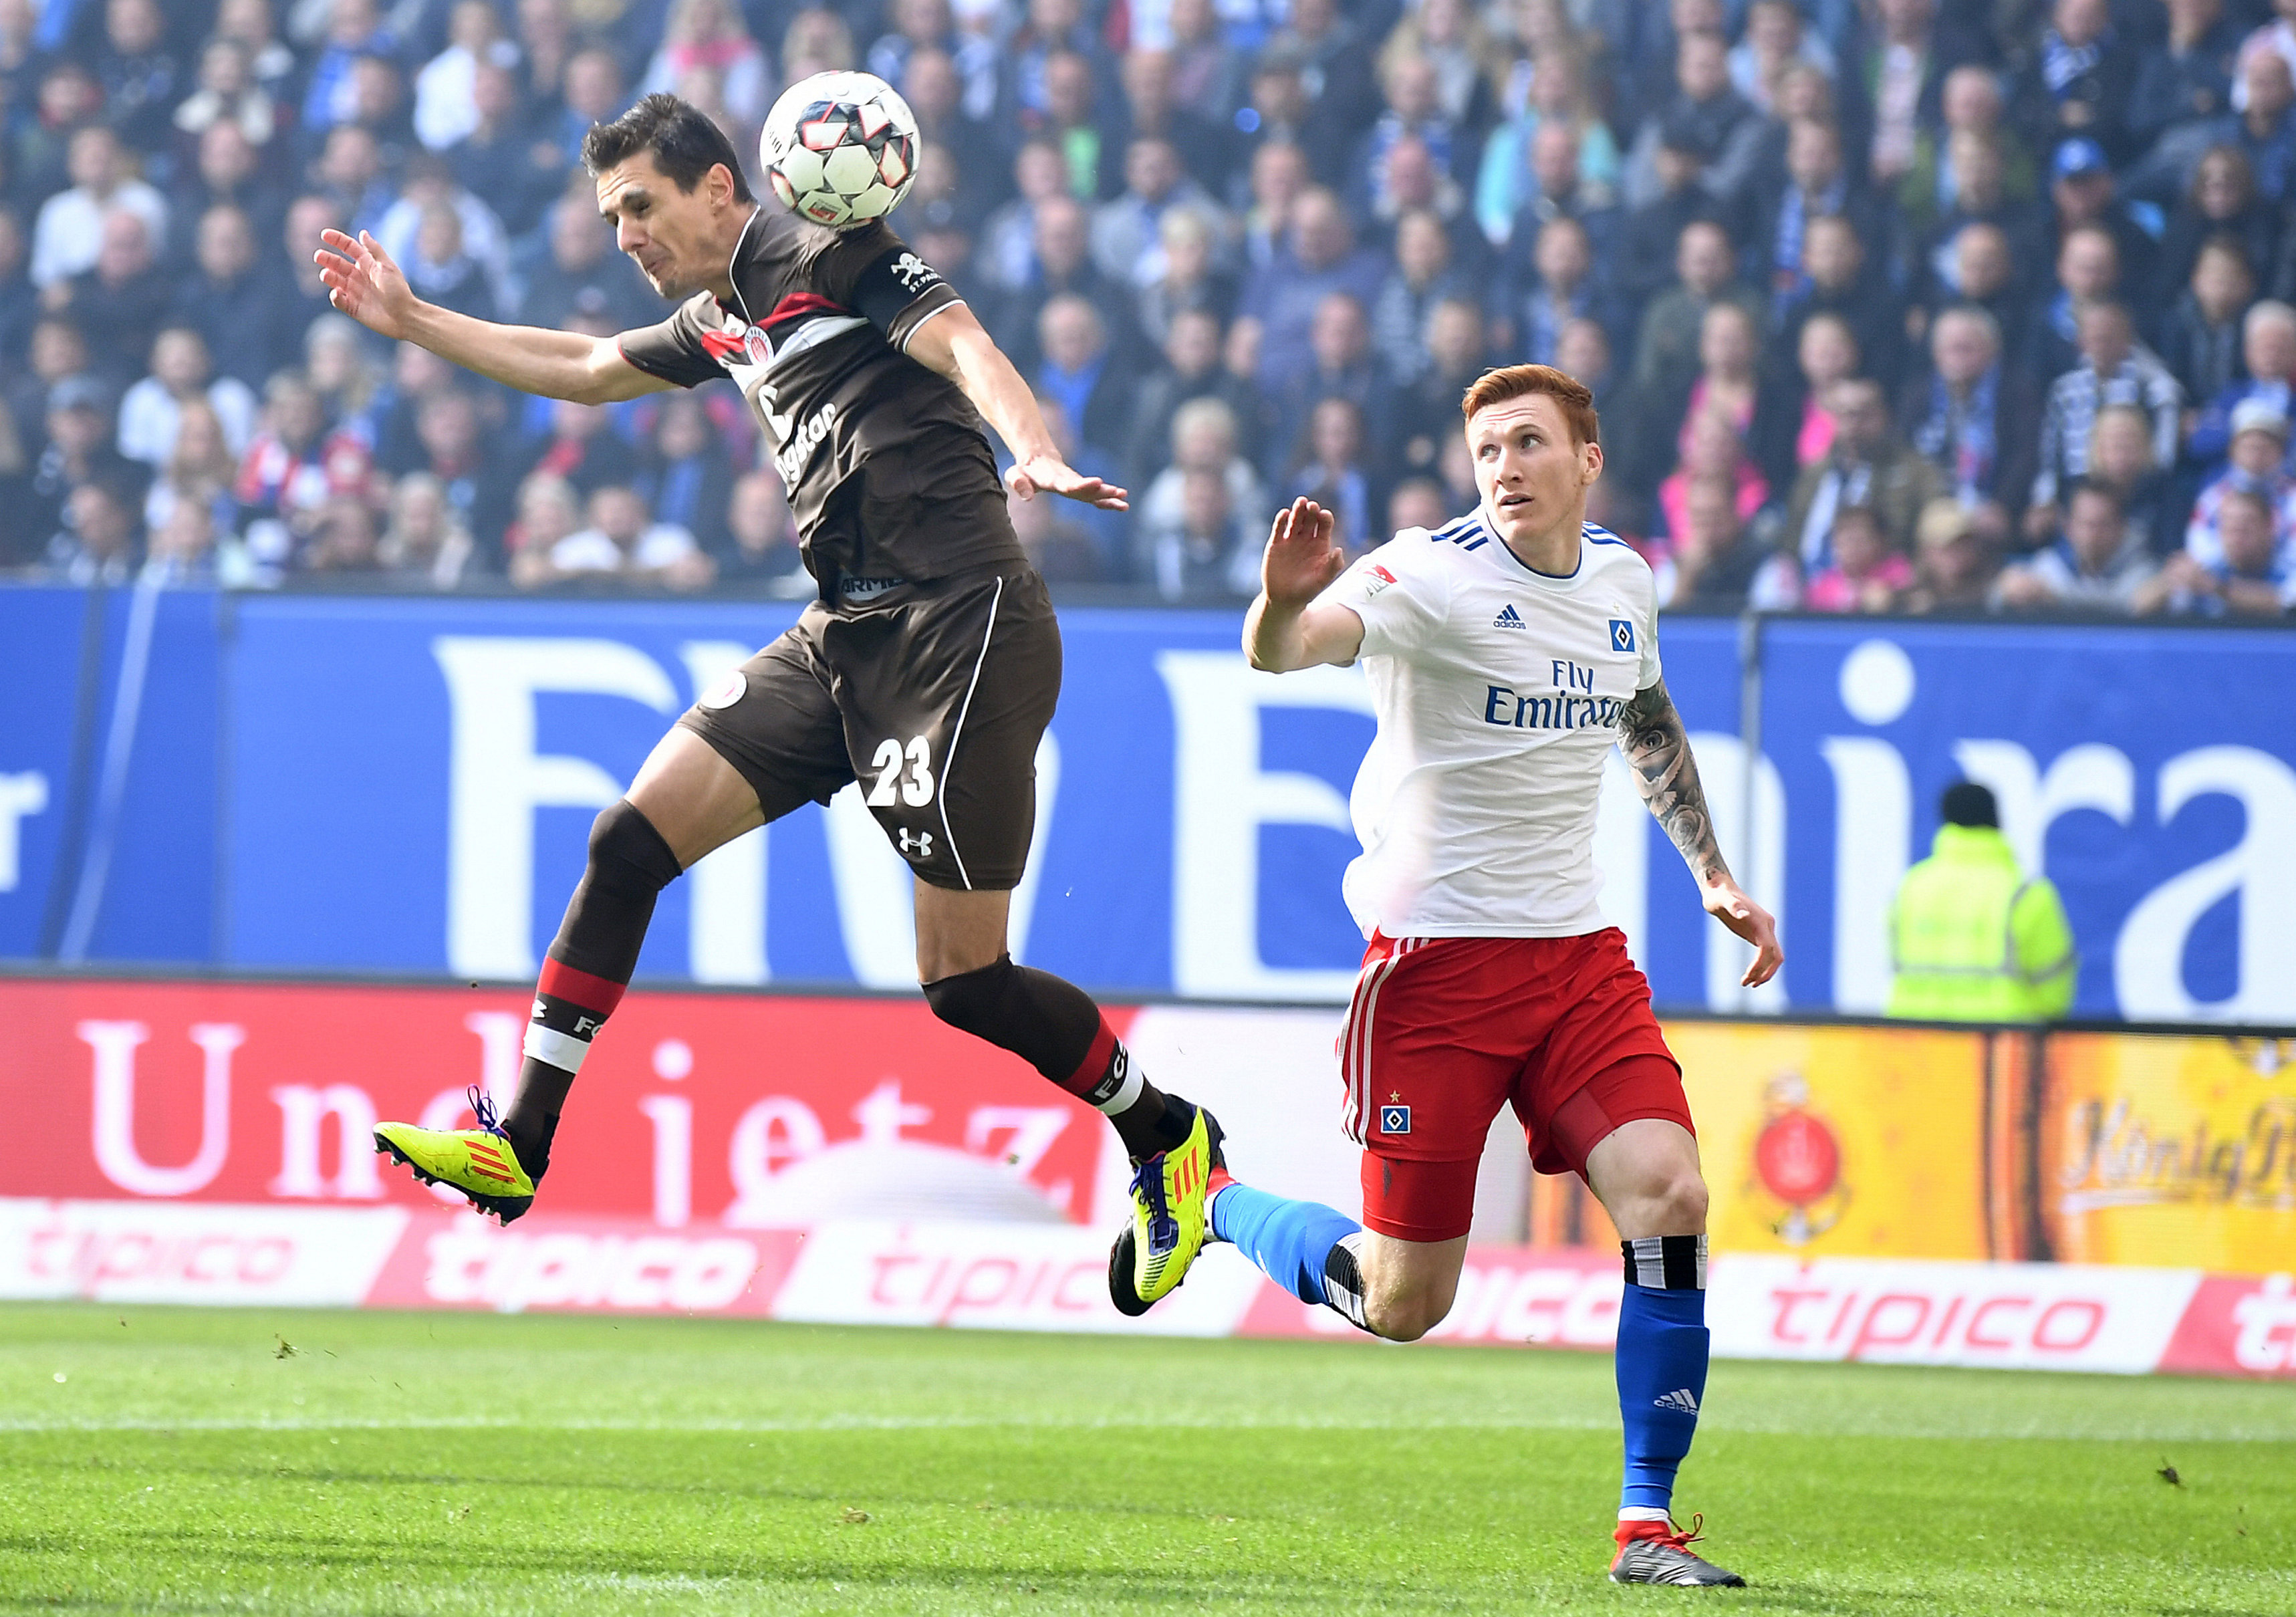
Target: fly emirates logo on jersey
1569 701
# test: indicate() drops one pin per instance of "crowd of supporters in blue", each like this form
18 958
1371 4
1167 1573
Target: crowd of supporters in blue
1950 305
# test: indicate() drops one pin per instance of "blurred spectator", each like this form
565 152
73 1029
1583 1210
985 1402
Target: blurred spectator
502 157
343 372
2082 81
622 540
2254 575
120 302
1319 257
1127 236
228 97
1330 466
2088 271
151 411
295 294
446 91
199 468
141 77
1666 350
688 476
1181 274
1078 372
2116 370
1056 544
1417 502
1837 282
2269 357
1954 566
2100 564
2264 129
19 305
1208 73
584 273
2187 80
1427 414
1335 69
1972 417
1712 561
2221 204
2259 446
2120 461
1341 366
69 236
457 449
451 245
1827 354
1866 574
1706 119
1775 39
583 447
1192 370
1153 111
426 545
1203 443
1564 289
100 535
712 34
1817 185
78 452
293 468
1868 465
344 540
354 32
1728 386
1006 258
1209 552
816 42
2200 340
1712 447
224 300
761 534
1063 268
1971 106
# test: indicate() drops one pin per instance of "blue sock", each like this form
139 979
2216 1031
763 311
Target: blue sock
1289 1241
1662 1363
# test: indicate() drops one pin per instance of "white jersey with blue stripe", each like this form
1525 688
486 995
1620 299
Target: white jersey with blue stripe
1498 690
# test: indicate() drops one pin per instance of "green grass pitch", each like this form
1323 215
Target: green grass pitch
153 1460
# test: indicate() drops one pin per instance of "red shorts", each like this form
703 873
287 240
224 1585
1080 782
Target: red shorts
1443 1032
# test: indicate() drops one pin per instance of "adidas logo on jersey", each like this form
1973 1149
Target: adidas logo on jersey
1681 1399
1508 617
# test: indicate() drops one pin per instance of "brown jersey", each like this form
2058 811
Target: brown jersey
888 473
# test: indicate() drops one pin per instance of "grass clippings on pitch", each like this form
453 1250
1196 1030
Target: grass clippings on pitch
154 1460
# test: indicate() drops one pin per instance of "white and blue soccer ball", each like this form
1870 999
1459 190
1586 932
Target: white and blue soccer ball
840 148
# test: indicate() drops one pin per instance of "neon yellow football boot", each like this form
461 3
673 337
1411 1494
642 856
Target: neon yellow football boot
480 1162
1168 1192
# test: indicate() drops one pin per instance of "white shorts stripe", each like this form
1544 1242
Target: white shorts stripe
1354 1052
562 1051
948 759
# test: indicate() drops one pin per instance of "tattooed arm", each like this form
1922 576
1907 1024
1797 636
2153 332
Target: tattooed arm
1656 750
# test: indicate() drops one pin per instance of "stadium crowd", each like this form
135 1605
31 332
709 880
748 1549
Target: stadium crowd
1887 305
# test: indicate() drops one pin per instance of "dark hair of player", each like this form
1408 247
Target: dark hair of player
684 143
1520 380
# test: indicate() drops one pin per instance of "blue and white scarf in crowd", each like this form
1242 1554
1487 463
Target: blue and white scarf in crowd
2064 65
1966 430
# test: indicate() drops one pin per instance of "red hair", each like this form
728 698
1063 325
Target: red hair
1521 380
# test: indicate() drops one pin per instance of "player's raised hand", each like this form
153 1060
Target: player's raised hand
363 283
1302 559
1726 903
1050 474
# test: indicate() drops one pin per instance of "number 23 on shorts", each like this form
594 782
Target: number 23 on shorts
915 788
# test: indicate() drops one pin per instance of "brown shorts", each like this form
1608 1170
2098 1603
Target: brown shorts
933 695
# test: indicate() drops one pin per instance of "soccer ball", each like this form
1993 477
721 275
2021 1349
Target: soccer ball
840 148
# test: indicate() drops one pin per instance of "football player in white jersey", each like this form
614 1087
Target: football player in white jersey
1507 651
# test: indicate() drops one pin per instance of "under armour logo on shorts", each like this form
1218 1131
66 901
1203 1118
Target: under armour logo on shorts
1395 1119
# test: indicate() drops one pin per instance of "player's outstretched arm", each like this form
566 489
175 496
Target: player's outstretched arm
1658 750
1285 630
954 343
364 283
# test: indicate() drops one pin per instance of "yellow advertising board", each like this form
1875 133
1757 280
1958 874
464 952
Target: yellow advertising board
1841 1141
2179 1152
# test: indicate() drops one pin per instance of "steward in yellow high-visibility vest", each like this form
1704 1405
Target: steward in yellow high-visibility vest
1971 938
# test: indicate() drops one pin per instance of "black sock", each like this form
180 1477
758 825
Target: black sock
1054 1026
587 968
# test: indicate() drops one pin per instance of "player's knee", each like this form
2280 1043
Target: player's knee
1679 1202
972 1002
1406 1311
627 850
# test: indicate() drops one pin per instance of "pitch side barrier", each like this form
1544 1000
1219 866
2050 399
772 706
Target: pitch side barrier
2086 1197
352 784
